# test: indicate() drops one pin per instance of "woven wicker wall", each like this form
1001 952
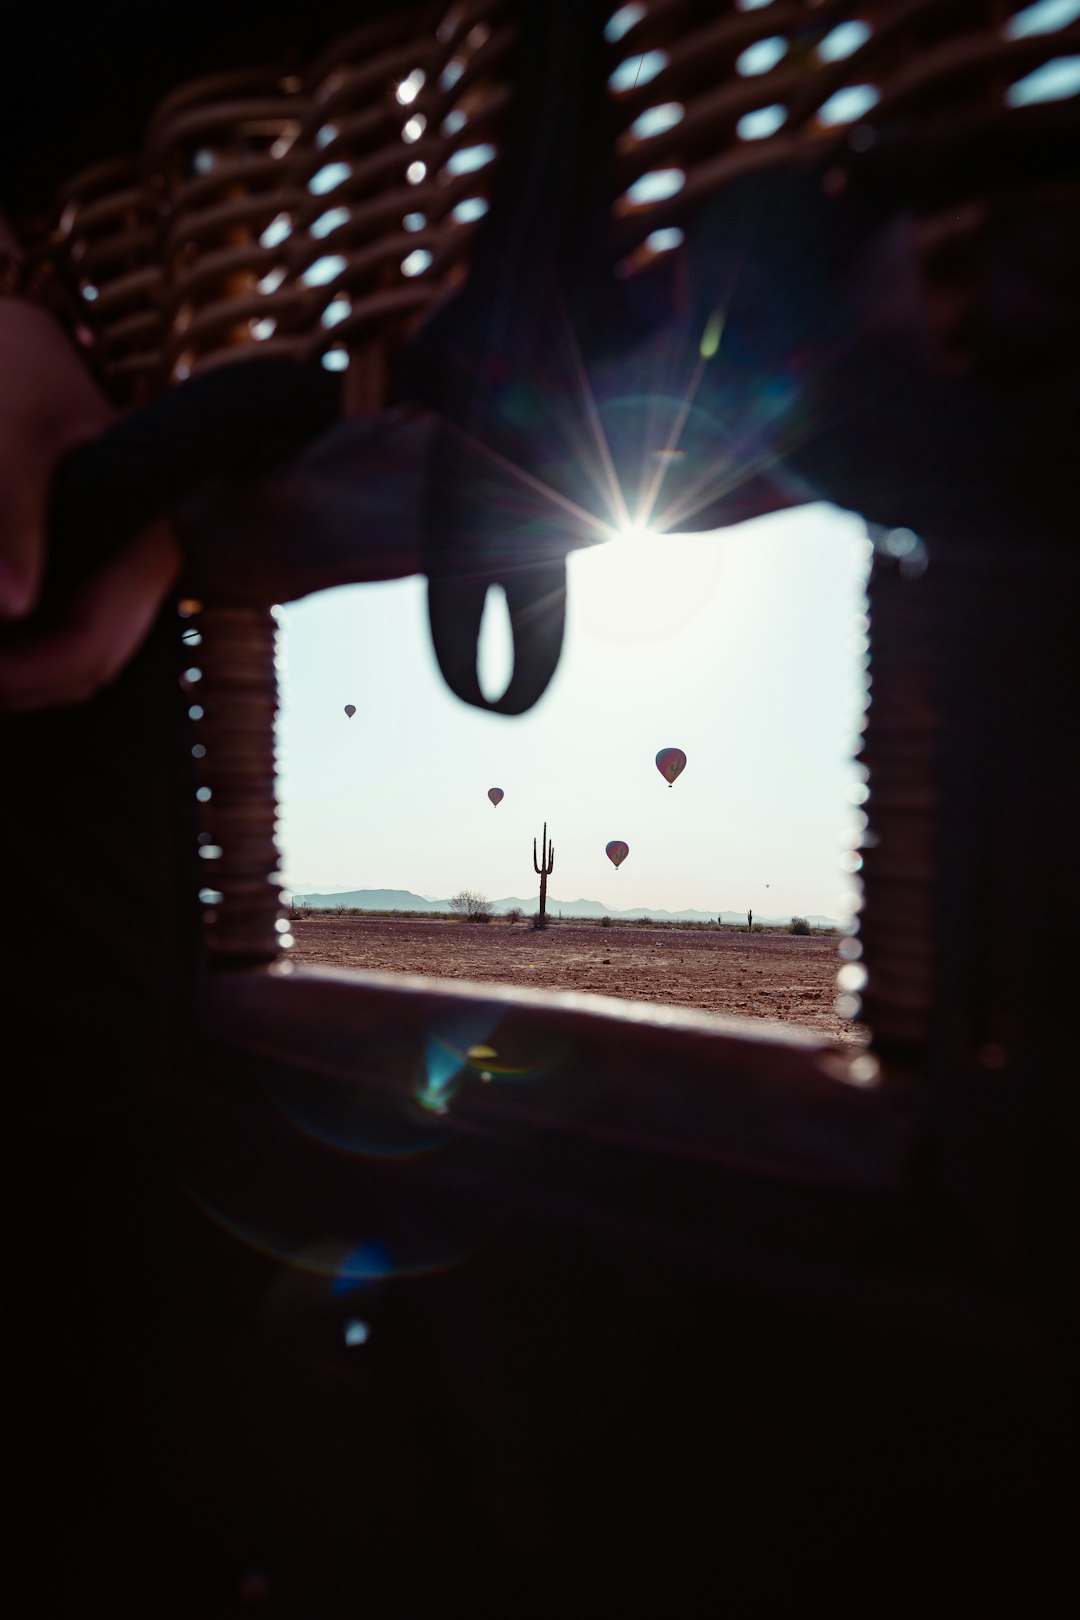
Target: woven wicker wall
329 212
321 214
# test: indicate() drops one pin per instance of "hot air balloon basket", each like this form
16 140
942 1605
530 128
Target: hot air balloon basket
326 212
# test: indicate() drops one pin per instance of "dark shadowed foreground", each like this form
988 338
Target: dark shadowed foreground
776 976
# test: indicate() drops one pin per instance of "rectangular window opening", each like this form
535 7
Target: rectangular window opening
744 649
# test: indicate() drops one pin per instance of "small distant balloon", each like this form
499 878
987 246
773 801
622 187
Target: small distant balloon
617 852
350 709
670 762
496 795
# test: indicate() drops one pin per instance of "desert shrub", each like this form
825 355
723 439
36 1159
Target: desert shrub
515 914
538 921
799 925
605 922
472 906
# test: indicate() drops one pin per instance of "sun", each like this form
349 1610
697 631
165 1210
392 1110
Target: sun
634 530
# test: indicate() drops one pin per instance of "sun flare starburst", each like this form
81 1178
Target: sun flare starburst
636 531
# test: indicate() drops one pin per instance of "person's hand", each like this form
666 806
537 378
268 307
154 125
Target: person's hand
54 654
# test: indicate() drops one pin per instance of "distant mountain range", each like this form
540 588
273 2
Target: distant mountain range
405 900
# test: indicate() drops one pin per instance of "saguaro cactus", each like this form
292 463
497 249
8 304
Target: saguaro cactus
545 869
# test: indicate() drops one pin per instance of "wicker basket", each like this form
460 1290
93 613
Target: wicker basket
329 213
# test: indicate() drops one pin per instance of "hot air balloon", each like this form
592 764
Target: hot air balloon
617 852
495 795
350 709
670 762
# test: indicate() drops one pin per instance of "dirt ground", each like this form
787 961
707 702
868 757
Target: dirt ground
775 976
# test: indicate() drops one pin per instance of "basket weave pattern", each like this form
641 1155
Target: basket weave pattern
329 212
308 215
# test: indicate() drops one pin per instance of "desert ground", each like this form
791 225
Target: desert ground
773 976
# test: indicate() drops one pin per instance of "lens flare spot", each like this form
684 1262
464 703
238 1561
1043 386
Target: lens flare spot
710 338
367 1263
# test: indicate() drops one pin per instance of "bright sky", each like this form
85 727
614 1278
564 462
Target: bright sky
743 648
